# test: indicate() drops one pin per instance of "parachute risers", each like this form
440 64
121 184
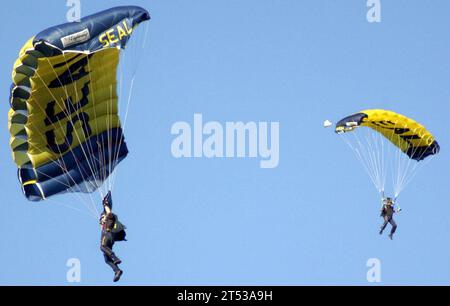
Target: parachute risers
65 130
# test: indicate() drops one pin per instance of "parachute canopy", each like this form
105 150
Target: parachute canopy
405 133
387 143
65 130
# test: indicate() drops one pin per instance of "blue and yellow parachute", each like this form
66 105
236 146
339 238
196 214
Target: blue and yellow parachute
388 145
409 136
65 130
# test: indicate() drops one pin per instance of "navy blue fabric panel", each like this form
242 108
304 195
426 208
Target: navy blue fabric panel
32 192
95 25
26 174
67 182
75 178
353 118
104 152
420 153
100 149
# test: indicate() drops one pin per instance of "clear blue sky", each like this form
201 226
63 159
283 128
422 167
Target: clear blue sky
314 219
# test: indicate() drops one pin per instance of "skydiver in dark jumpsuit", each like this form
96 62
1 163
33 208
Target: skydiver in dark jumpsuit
107 222
387 212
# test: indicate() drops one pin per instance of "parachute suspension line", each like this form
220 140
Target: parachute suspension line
108 180
401 160
102 174
88 156
374 161
373 153
106 171
368 158
108 147
399 163
66 112
402 168
413 148
113 176
68 186
92 214
112 158
97 172
378 159
88 152
383 161
64 167
411 171
358 155
116 144
102 152
395 160
107 167
416 170
359 151
137 57
110 140
396 164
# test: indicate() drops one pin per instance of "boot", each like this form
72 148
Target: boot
391 236
117 276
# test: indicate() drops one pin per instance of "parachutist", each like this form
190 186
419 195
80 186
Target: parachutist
387 212
80 51
112 231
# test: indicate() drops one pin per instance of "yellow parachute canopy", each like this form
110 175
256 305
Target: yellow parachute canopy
408 135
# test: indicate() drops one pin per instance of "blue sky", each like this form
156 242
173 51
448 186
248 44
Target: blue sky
312 220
